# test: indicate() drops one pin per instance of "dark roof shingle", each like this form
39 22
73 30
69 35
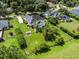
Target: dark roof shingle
3 24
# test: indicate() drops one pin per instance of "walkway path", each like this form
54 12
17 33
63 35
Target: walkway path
1 34
20 20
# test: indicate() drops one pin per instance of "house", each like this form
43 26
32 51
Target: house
51 13
4 24
64 17
75 11
32 20
54 14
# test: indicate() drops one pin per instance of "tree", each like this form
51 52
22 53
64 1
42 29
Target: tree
21 39
41 5
53 20
50 33
14 5
41 49
15 53
30 7
2 8
3 52
12 52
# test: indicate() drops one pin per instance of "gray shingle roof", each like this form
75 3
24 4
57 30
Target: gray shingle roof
31 19
64 17
3 24
51 13
75 11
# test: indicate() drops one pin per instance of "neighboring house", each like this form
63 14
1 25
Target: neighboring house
75 11
64 17
51 13
32 20
56 14
4 24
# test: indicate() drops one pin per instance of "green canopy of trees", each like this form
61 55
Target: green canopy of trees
12 52
25 5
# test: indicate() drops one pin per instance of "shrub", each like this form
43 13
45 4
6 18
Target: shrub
53 20
50 34
60 41
69 33
41 49
73 16
11 52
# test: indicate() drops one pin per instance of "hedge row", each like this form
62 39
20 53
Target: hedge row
73 16
69 33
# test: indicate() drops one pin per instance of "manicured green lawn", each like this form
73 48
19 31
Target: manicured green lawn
65 36
69 51
34 40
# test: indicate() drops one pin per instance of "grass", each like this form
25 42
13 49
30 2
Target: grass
57 49
71 26
62 52
64 35
9 42
15 25
68 51
32 41
36 39
8 39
